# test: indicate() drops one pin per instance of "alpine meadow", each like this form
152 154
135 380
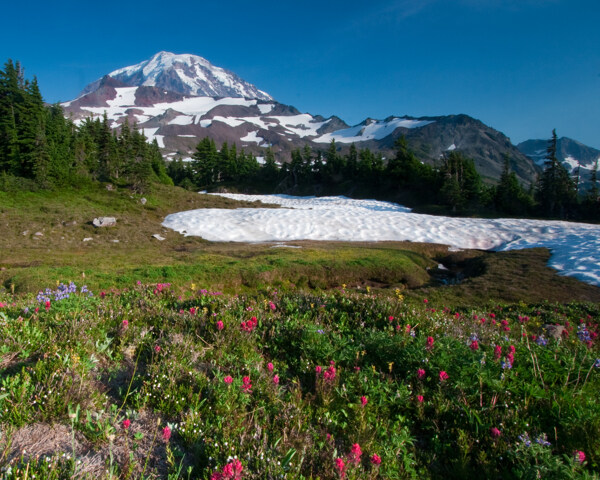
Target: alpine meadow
200 282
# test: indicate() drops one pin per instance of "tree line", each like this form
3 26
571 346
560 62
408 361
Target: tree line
453 186
43 149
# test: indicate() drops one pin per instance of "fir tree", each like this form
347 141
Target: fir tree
556 192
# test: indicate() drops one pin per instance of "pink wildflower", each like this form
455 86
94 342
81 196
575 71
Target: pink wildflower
228 380
126 423
166 433
474 345
246 385
497 352
272 306
420 373
276 379
420 398
363 400
443 376
192 310
270 367
220 325
340 466
495 433
391 318
329 374
125 324
249 325
318 369
425 300
231 471
157 348
47 305
375 459
429 344
355 453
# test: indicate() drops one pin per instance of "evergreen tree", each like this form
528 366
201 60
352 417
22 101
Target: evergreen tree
556 191
352 163
460 182
269 172
509 196
205 162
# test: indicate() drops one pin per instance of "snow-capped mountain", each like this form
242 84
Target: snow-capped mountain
156 96
571 153
186 74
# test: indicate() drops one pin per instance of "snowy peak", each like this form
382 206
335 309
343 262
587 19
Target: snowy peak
571 153
185 74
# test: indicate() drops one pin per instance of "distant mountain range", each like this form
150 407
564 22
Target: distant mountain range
180 99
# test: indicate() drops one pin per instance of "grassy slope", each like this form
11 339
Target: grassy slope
121 255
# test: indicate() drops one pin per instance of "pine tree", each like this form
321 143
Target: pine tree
269 172
205 162
509 196
460 182
556 191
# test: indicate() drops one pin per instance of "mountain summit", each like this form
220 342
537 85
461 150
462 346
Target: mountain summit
185 74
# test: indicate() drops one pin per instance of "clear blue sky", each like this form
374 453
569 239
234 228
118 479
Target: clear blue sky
523 67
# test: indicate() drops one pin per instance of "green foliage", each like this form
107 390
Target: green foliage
556 193
315 378
38 143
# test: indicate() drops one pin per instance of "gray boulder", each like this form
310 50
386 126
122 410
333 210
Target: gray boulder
104 222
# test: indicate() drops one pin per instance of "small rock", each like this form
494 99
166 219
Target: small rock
105 222
70 224
25 233
159 237
115 241
38 234
87 239
553 331
143 201
110 188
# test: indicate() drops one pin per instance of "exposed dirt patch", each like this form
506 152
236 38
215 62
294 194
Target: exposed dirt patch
41 440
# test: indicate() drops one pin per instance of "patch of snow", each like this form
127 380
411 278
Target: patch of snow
575 246
232 122
374 130
205 123
187 136
451 148
182 120
266 108
302 125
252 137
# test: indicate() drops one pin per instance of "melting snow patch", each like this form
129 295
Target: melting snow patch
575 246
252 137
182 120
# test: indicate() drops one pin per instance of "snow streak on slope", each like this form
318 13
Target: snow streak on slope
575 246
373 130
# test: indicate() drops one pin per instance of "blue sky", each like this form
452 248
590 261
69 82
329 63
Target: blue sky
523 67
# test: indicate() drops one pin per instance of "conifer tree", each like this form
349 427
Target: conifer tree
556 192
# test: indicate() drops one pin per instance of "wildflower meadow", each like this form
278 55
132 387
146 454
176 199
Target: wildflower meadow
176 381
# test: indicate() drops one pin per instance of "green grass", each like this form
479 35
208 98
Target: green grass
121 255
72 372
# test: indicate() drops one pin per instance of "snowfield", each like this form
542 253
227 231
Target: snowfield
575 246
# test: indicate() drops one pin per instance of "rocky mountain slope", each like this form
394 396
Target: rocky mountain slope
578 159
180 99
